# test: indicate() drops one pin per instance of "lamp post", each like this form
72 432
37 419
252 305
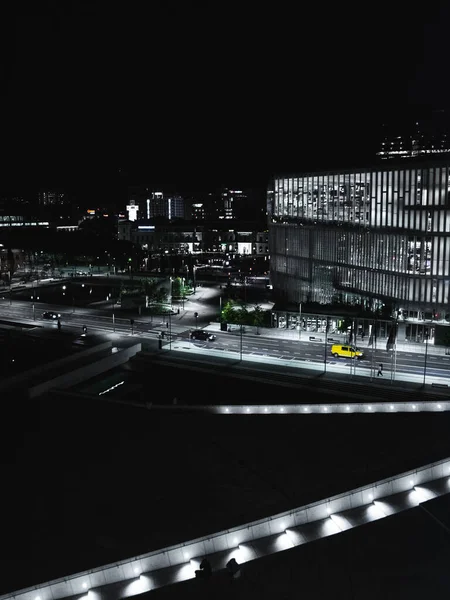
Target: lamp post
372 342
325 349
170 330
426 356
10 293
374 346
300 320
110 297
394 354
240 351
33 298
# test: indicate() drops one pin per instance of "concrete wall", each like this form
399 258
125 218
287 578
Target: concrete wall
22 379
85 372
181 554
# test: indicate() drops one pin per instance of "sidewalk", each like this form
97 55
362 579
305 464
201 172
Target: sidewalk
347 369
338 338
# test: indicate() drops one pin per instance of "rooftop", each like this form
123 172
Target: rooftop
92 482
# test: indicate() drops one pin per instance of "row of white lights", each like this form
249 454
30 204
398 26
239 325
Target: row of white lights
283 528
323 408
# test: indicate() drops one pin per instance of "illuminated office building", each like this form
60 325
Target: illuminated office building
367 237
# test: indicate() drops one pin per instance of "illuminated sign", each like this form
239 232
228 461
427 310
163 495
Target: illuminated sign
91 211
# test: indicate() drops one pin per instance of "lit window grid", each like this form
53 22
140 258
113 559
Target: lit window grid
369 262
406 265
397 198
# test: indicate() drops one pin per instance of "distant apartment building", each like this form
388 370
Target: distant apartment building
225 204
52 198
149 204
10 260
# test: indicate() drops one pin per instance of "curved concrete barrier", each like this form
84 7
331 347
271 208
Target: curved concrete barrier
252 540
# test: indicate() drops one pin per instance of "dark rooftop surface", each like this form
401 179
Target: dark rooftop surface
24 350
213 379
89 482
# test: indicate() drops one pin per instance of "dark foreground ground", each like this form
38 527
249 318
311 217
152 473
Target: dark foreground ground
87 483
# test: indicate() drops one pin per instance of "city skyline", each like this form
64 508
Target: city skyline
224 270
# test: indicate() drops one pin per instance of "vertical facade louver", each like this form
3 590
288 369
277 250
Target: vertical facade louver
376 235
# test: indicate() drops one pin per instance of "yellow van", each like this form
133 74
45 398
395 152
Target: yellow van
346 351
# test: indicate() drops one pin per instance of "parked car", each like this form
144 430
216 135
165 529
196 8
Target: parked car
201 334
50 315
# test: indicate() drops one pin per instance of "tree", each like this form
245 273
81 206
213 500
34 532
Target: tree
345 324
160 296
178 290
258 317
229 313
154 294
243 315
123 290
11 263
446 341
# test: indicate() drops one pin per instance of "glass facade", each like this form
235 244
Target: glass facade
379 234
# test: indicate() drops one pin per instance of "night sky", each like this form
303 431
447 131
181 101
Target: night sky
201 96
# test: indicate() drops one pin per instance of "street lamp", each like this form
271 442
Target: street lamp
373 343
300 320
325 350
394 354
426 355
34 298
110 297
240 351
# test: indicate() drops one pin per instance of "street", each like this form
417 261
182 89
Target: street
148 329
308 351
